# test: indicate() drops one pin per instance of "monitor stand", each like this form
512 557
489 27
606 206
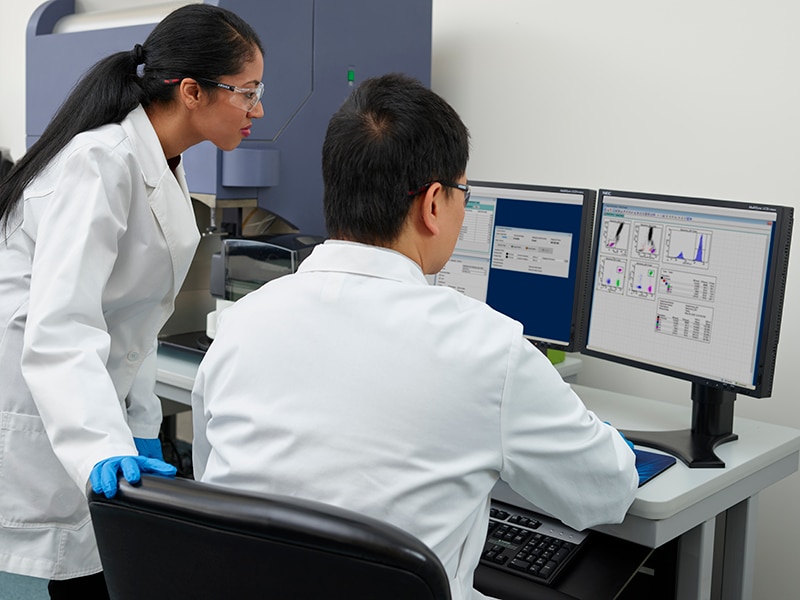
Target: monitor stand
712 425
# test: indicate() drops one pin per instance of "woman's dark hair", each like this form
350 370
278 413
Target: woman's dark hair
390 137
198 41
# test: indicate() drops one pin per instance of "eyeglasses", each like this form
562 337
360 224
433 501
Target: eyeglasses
459 186
245 98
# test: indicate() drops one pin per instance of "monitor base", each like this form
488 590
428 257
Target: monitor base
712 425
696 451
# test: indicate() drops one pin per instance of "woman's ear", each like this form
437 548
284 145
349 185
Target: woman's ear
190 93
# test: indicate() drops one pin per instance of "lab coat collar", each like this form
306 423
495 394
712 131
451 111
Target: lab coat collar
363 259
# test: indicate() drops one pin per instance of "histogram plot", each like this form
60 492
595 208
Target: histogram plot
647 240
616 236
690 247
642 281
611 275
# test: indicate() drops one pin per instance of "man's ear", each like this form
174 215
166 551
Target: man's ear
430 205
190 93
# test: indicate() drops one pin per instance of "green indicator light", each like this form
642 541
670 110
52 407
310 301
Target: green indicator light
351 75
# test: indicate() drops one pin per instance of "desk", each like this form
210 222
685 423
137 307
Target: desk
175 375
684 502
680 503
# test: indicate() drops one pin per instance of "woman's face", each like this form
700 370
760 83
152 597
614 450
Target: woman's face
225 120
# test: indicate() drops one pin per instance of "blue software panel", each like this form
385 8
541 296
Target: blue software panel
523 250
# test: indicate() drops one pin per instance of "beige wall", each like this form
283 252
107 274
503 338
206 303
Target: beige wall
683 97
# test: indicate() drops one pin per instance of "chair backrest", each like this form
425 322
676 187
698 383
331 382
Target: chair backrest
178 538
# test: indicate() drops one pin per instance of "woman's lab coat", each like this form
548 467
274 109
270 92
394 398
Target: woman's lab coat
90 265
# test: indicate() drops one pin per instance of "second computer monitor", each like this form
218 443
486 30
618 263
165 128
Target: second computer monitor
691 288
524 250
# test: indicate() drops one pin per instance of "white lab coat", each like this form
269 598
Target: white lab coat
93 260
356 383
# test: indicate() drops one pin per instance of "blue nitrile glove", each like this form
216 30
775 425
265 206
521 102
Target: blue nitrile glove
149 448
104 474
627 441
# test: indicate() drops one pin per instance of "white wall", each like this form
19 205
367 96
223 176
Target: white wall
683 97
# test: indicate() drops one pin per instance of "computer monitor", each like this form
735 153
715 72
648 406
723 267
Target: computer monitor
524 250
691 288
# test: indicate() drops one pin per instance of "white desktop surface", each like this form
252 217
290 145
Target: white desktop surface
759 446
176 370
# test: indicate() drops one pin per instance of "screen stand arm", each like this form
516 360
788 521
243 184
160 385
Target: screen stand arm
712 425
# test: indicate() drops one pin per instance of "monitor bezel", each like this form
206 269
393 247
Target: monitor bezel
582 272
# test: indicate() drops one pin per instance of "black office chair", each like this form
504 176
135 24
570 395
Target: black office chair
172 539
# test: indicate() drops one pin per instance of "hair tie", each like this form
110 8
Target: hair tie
138 57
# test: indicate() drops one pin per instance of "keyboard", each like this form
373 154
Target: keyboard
528 544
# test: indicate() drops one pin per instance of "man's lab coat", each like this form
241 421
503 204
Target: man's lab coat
356 383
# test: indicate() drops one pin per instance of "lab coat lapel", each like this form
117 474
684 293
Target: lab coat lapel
169 199
171 205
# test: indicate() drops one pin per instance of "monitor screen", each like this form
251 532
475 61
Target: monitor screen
692 288
524 250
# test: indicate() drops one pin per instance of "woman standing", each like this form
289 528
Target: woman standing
97 233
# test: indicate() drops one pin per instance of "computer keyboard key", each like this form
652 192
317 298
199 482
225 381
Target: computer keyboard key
546 570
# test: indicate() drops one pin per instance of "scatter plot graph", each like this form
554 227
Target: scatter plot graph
642 281
690 247
616 236
611 275
647 240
